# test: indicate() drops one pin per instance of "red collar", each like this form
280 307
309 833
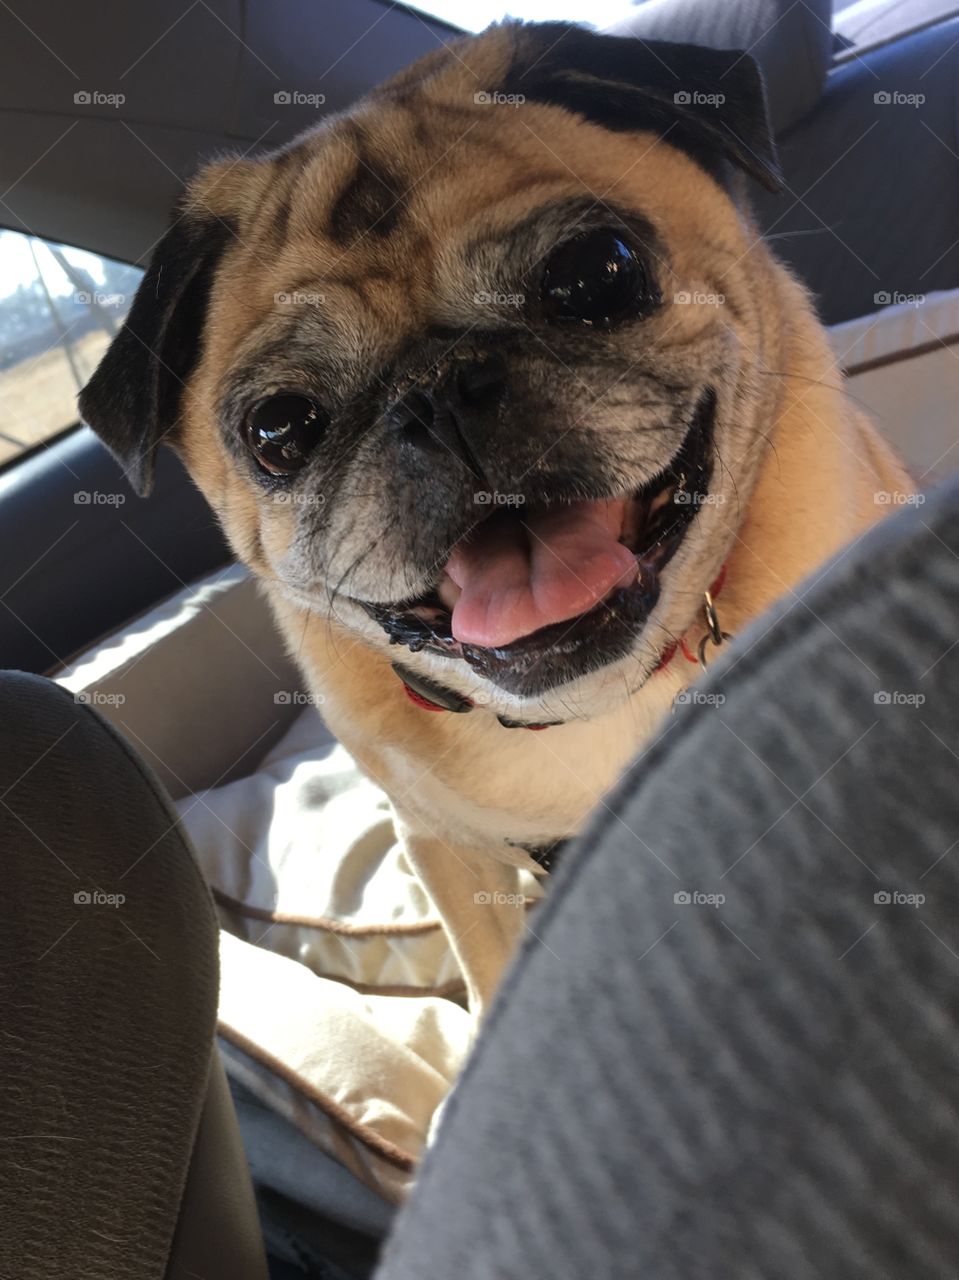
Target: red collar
431 696
680 645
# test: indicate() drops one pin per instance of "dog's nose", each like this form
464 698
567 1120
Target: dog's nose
427 415
479 381
412 413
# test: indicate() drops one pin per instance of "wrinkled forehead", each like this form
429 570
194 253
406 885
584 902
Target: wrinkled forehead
360 236
387 198
386 222
381 197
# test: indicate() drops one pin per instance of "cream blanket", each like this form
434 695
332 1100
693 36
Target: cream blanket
342 1004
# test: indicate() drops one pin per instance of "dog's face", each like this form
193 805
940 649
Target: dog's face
475 369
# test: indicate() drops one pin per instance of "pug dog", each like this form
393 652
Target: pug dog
495 386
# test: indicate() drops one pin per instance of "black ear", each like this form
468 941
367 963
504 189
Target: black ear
709 102
133 399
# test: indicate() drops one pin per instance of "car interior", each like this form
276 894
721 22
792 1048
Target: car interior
295 1160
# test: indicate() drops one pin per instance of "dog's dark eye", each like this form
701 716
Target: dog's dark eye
283 431
595 279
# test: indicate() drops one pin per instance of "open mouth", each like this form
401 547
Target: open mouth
535 596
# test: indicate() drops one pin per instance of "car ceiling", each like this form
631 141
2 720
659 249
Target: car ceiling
196 78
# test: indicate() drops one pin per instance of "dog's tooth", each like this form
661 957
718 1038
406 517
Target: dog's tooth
634 522
662 499
629 519
448 592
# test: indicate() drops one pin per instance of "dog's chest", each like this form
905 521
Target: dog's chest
498 788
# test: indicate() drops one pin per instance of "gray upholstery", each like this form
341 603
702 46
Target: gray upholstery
791 42
764 1086
108 1017
872 198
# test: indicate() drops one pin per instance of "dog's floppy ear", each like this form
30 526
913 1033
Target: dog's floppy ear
709 102
133 399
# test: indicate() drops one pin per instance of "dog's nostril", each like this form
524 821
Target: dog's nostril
482 379
410 411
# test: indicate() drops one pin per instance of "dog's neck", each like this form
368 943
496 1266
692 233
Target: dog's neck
816 489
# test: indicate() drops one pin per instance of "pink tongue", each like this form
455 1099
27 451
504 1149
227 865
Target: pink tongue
517 574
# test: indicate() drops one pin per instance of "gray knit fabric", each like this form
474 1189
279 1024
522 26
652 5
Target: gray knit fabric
765 1087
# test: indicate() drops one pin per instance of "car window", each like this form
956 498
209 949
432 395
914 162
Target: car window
59 308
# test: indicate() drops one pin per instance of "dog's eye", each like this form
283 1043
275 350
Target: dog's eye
283 431
594 279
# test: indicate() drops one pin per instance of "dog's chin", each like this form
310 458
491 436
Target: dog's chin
656 521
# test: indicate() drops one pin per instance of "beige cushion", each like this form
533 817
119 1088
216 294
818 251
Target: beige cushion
902 364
